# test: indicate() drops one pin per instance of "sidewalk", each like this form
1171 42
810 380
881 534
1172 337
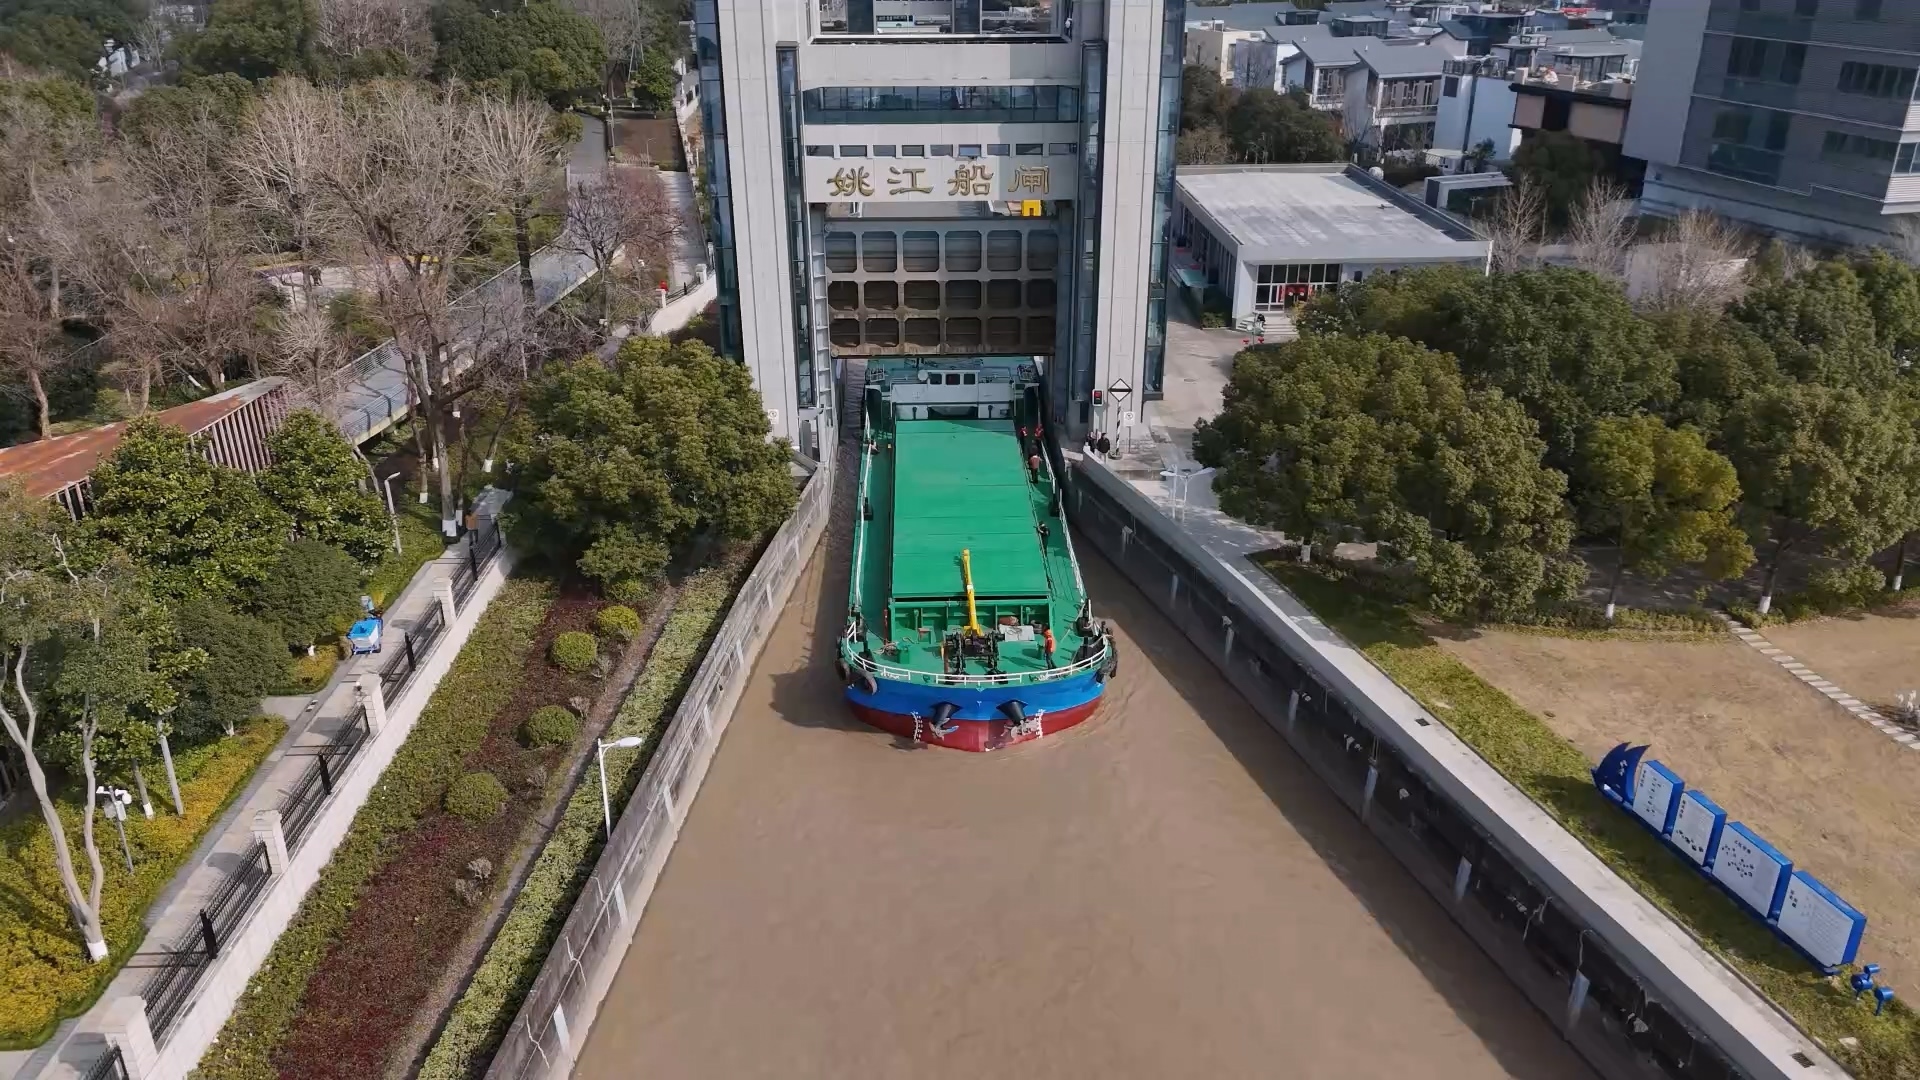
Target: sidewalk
312 721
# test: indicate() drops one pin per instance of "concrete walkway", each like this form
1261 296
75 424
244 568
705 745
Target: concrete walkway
314 721
1754 639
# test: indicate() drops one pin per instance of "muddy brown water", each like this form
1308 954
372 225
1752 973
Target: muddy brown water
1165 891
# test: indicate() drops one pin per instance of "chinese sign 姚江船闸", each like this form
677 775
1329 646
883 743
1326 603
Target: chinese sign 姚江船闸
970 179
906 181
848 182
1033 179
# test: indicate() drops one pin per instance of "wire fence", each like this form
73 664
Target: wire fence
111 1066
593 938
169 991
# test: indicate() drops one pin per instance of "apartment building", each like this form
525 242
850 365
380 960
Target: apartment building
940 177
1798 117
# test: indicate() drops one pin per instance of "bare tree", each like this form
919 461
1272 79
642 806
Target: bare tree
1904 239
1600 229
409 203
350 28
1516 225
515 155
1698 263
277 163
31 345
623 214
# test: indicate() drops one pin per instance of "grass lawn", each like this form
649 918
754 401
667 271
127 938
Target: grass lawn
1555 774
44 972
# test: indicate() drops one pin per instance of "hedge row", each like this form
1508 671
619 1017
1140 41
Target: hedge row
481 1017
455 721
45 975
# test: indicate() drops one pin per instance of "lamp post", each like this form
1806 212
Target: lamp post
601 748
393 515
117 801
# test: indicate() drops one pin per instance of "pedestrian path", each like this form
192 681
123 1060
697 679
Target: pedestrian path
1757 641
230 841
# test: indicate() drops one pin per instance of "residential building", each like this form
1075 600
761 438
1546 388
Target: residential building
1393 96
1794 116
1321 69
1598 111
1476 106
1214 45
939 177
1265 61
1482 30
1261 239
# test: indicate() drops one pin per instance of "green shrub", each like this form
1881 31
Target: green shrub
554 881
1844 588
454 723
45 974
312 592
617 621
476 796
550 725
1212 320
246 660
574 651
633 592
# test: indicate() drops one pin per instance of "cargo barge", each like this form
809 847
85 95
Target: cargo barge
968 624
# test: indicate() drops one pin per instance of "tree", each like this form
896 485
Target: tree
1480 156
254 39
538 48
1562 165
32 345
278 162
197 529
622 465
246 660
1515 226
1418 304
1663 498
226 98
1821 328
1717 362
1892 289
514 159
1203 146
316 481
1696 262
1822 469
621 213
1565 345
363 39
1204 100
311 594
1270 128
1600 229
1333 437
64 35
77 634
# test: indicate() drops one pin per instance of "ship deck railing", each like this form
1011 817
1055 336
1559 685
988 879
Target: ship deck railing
940 678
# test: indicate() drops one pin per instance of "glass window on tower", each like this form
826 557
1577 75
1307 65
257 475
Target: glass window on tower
942 18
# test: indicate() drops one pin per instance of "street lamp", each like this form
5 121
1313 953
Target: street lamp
393 515
606 804
118 799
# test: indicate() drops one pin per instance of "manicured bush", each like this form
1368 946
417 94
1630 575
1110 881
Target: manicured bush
44 971
481 1016
455 721
617 621
631 591
550 725
311 594
476 796
574 651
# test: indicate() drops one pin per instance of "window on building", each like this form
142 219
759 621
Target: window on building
1066 149
1450 86
883 151
1848 148
943 18
819 151
1029 149
1876 80
1748 143
913 150
1906 161
853 151
1026 104
998 149
1792 59
1747 58
967 150
940 150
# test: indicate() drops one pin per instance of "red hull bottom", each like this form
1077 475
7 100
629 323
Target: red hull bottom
978 736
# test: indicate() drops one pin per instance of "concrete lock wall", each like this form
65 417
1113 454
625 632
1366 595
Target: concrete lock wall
1627 987
241 956
552 1023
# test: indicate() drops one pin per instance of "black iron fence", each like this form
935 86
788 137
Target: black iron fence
310 792
1604 1007
111 1066
483 543
170 987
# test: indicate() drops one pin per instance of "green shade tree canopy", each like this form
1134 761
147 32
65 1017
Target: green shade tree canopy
315 479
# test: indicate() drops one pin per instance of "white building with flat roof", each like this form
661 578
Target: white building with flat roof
1265 237
940 177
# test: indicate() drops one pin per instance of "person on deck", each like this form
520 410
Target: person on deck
1033 467
1047 644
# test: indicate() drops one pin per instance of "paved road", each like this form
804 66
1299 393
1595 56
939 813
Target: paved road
1165 891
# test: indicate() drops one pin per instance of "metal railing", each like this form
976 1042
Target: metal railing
170 988
111 1066
310 792
593 935
930 678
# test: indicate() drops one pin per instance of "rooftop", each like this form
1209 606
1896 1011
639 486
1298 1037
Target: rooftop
1322 213
1404 61
1330 51
47 466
